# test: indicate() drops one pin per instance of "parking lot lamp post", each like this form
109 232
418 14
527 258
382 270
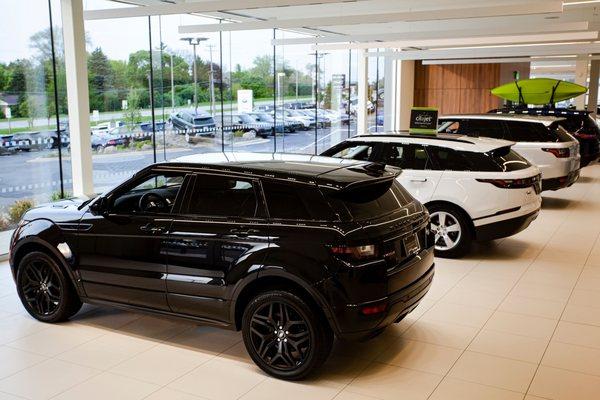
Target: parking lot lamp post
172 86
194 42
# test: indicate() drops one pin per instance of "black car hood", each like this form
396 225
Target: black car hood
60 211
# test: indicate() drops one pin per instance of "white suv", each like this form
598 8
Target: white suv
474 188
540 139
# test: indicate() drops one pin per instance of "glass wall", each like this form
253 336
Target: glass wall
34 164
156 95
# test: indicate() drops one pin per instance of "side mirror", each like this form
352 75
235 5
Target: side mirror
99 206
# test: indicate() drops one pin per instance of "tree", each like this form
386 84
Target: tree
4 77
100 77
32 107
132 114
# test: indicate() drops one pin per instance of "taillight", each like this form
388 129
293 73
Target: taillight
558 153
356 252
373 309
512 183
111 143
585 136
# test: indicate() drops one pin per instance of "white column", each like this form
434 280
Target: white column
581 75
405 92
399 86
593 88
363 92
77 96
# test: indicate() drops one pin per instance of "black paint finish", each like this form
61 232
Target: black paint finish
206 268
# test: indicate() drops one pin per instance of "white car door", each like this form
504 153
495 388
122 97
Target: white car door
417 176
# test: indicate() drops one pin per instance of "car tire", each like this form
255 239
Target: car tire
452 231
45 290
283 350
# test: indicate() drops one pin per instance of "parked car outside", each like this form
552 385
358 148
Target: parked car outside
194 125
280 126
101 140
474 188
7 145
295 116
290 249
240 122
579 123
541 140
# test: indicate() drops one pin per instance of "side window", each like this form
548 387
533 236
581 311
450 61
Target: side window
531 132
152 194
451 160
296 202
448 126
353 151
482 127
408 156
221 196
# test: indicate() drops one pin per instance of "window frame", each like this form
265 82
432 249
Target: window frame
138 179
431 161
260 216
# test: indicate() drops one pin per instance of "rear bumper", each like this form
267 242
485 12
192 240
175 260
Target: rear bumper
353 325
504 228
560 182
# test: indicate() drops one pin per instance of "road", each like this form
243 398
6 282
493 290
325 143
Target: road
35 175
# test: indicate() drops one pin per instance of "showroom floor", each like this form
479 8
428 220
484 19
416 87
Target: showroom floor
519 316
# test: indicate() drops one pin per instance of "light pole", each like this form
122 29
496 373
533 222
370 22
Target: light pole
212 82
195 42
172 86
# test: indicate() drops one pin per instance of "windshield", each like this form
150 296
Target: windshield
246 119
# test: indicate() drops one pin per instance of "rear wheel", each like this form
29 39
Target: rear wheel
46 293
452 232
284 336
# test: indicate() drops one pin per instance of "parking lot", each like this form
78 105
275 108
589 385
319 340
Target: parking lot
35 174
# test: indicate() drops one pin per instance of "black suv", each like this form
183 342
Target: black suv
292 250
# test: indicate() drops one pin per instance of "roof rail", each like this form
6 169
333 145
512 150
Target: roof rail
447 137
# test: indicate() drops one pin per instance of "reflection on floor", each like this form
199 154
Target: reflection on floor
519 318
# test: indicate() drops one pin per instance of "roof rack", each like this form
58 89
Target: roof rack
538 111
418 136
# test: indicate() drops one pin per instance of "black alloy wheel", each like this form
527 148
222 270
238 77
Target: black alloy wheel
284 336
44 290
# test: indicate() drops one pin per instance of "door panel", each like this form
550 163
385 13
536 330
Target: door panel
220 241
206 259
120 262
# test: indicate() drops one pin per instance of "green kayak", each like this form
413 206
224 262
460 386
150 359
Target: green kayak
539 91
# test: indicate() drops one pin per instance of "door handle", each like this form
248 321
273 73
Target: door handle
419 180
149 227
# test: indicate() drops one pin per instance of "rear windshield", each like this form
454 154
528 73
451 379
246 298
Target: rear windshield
580 124
204 121
508 160
369 201
561 134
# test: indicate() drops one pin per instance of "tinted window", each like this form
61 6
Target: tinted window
482 127
559 133
408 156
520 131
296 202
223 197
351 150
370 201
508 160
452 160
580 124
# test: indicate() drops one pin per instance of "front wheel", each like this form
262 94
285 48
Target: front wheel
46 293
452 231
284 336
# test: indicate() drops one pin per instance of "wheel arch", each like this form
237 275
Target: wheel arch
450 204
277 279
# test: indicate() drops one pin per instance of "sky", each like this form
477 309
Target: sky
120 37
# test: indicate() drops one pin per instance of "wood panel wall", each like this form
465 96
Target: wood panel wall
457 88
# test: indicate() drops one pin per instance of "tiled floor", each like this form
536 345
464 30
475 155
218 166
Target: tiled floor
518 319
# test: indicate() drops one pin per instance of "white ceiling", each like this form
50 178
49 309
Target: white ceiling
456 28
